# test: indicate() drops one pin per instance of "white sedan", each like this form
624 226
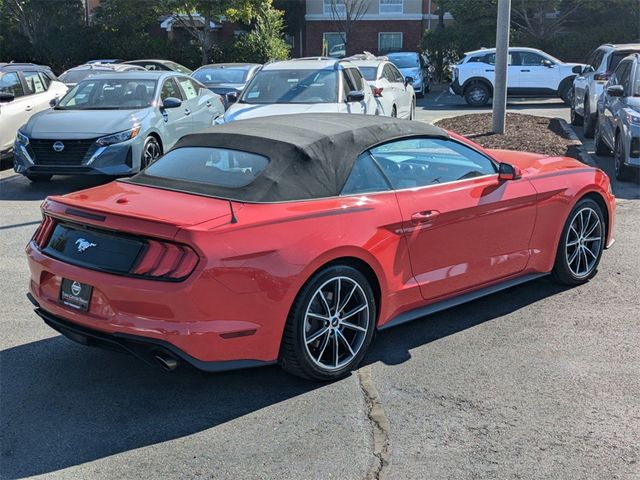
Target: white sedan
394 94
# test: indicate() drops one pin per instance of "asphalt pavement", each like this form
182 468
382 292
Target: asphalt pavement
538 381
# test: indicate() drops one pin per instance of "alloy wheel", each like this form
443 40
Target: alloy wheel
151 152
477 94
336 323
584 241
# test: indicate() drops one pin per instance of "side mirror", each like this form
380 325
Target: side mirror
615 91
578 69
171 102
508 172
6 97
408 81
232 97
355 96
547 63
54 102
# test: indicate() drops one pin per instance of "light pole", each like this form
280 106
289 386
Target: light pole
502 52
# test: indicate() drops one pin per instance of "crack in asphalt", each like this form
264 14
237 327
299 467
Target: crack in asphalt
379 424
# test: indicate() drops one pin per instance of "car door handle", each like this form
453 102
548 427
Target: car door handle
525 70
208 104
187 111
489 70
424 216
28 108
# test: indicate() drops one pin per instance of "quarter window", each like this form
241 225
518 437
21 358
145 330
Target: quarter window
10 83
419 162
365 177
389 41
188 88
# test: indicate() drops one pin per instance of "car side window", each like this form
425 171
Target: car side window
170 89
46 80
10 83
624 78
365 177
34 82
529 59
396 74
190 92
356 76
386 73
349 86
418 162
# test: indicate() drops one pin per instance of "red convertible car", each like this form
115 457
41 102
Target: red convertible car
290 239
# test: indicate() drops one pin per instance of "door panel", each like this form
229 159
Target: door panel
467 233
176 122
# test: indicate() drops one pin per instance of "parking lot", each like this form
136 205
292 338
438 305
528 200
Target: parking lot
537 381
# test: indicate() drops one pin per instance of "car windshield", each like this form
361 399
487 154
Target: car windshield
76 76
221 75
109 94
292 86
404 61
212 166
369 73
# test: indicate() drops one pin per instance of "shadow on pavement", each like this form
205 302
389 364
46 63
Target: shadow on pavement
63 404
17 187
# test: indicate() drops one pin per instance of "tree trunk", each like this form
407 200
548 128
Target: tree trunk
206 38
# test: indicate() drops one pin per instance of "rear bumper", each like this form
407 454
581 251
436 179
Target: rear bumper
143 348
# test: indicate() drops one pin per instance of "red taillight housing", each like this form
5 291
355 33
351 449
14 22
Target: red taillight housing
377 91
164 260
43 233
602 77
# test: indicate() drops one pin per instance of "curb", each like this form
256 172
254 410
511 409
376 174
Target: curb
584 155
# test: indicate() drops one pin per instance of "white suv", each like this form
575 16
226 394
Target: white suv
589 84
301 86
530 73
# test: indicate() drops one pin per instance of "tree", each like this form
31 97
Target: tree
542 20
264 42
345 14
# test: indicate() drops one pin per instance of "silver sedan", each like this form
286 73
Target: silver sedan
114 124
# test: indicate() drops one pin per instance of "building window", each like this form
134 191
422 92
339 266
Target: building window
332 7
389 41
333 44
391 6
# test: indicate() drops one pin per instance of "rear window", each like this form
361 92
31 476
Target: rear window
369 73
211 166
77 76
616 57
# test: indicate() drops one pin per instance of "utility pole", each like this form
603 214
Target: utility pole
502 52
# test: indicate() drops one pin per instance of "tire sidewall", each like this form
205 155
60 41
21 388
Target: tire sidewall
561 268
297 319
147 141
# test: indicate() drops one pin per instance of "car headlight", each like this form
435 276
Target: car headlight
633 118
22 138
119 137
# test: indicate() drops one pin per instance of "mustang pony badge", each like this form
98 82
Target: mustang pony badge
84 244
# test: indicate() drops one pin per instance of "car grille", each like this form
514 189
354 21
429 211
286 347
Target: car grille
74 152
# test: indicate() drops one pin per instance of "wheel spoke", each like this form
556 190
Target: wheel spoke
595 224
574 242
346 302
324 301
584 257
335 349
355 311
318 316
353 327
587 250
317 335
324 346
344 340
336 301
592 239
573 256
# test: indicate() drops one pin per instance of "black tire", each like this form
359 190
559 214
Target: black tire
622 171
601 148
296 357
590 119
562 271
39 178
477 94
151 151
566 93
576 120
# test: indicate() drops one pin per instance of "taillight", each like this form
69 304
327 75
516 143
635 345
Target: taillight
43 233
377 91
165 260
602 77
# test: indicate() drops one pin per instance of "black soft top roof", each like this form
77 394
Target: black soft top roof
310 155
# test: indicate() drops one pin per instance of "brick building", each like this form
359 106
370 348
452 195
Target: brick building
386 25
